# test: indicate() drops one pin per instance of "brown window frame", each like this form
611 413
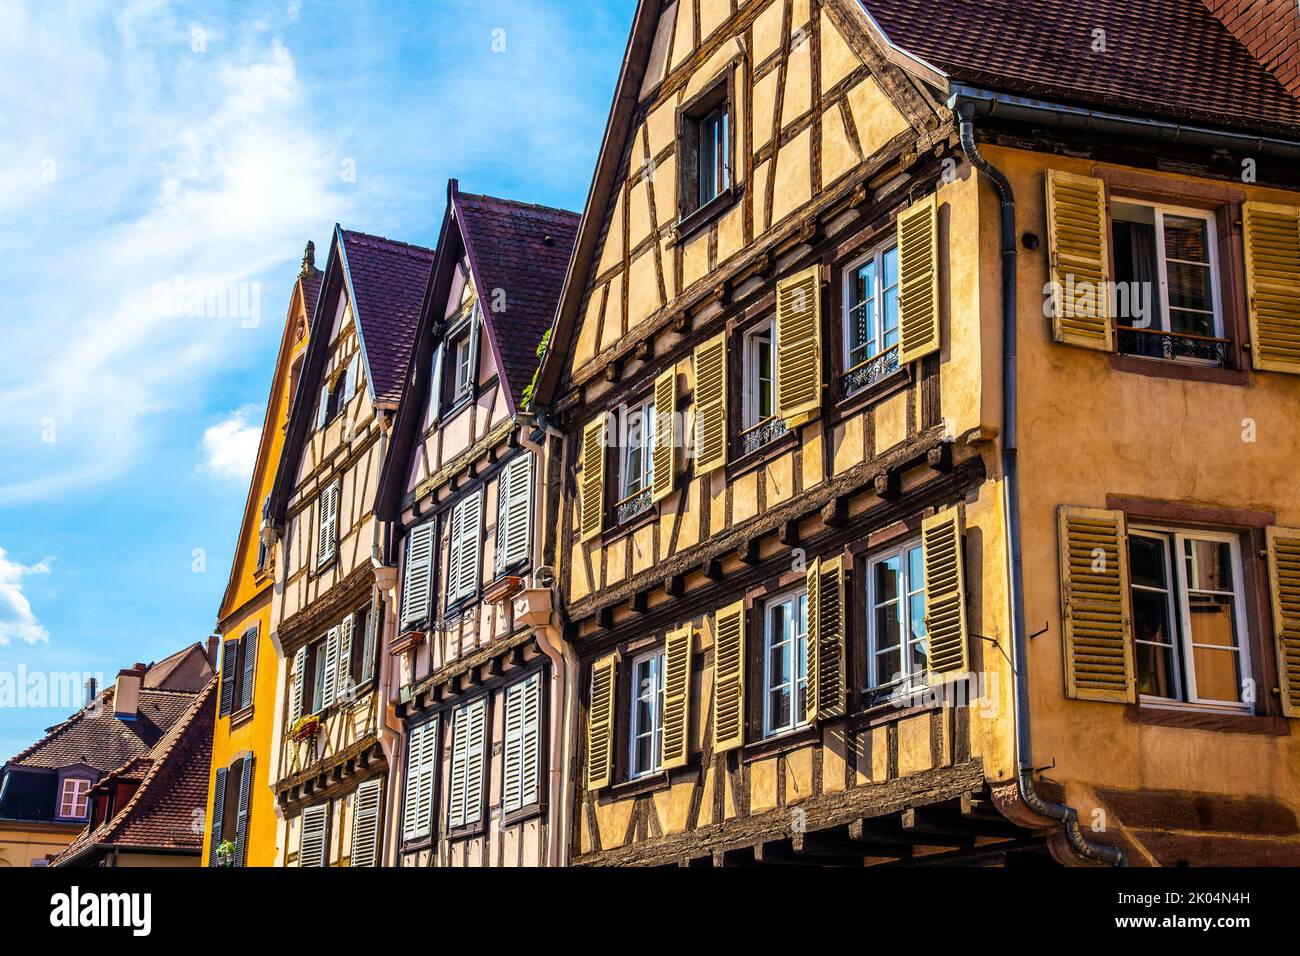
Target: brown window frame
720 92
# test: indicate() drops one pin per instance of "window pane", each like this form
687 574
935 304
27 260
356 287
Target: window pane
1209 565
916 620
1217 674
779 708
1146 558
1185 239
1211 617
764 346
888 667
778 672
644 754
887 584
1156 677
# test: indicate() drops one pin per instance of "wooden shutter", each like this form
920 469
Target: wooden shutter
329 515
299 677
229 668
826 686
241 818
418 573
593 478
330 684
711 404
1272 237
469 727
676 738
1096 605
313 847
600 723
1284 586
421 775
374 621
345 691
435 385
665 437
729 677
249 650
945 597
1079 259
514 512
522 712
218 809
465 548
365 824
798 346
918 280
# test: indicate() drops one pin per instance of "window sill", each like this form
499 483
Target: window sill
455 408
649 783
795 739
1172 368
522 814
1205 718
241 717
417 844
762 455
712 210
468 831
614 532
895 381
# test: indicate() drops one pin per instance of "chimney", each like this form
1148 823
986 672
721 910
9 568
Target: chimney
126 695
308 260
1270 30
92 688
214 645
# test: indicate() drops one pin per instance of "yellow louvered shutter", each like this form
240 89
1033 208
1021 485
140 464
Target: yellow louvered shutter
1079 251
593 478
711 404
1272 236
600 723
918 280
945 597
1284 587
825 697
1095 605
729 677
798 346
665 437
677 697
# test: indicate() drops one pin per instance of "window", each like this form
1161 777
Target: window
761 425
460 377
359 667
705 134
469 740
421 774
238 667
897 650
317 655
74 798
514 513
646 728
521 778
1188 625
1166 299
870 319
636 461
785 663
313 845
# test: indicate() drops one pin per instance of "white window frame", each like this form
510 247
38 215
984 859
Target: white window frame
878 295
753 373
1173 541
797 670
645 409
911 679
1162 263
81 794
654 695
719 174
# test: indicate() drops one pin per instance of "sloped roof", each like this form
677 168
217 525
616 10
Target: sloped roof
524 251
173 782
1170 59
387 280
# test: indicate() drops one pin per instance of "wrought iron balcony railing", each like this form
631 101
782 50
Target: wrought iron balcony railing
869 372
1175 346
765 432
633 505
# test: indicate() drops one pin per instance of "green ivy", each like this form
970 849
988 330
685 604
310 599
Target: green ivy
530 389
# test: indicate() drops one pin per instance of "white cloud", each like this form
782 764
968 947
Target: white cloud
171 169
230 446
16 617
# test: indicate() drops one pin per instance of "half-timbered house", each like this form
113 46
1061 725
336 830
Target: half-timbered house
796 439
478 674
331 619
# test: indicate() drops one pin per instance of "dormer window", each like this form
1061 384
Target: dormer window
705 137
74 798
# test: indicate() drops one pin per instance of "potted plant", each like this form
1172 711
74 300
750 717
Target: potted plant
226 853
306 728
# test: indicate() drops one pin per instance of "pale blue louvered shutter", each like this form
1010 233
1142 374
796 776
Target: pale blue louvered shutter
418 573
522 738
365 824
241 819
435 387
331 668
374 622
346 690
313 846
299 677
514 512
465 806
421 766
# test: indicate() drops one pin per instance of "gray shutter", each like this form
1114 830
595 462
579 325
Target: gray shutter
329 522
468 740
299 676
323 409
373 623
463 566
354 374
250 668
365 824
241 820
522 738
418 573
312 847
331 668
514 512
435 387
229 668
218 808
421 774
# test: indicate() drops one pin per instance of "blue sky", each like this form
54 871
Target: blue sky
148 143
